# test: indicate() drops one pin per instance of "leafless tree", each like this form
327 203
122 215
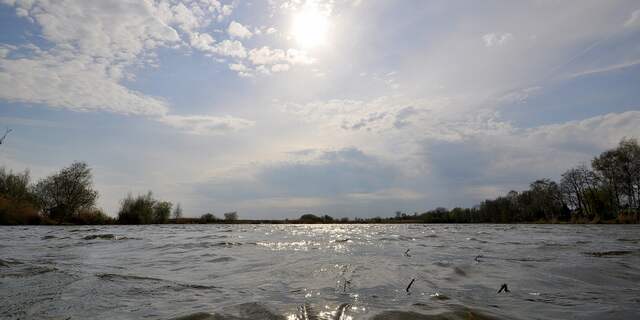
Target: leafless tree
5 136
61 195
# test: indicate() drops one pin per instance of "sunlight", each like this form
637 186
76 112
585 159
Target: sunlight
310 26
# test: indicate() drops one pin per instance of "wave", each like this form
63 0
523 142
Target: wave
171 283
608 253
107 236
253 310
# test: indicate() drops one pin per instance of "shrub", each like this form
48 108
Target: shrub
162 211
91 216
208 218
231 216
143 209
17 205
15 211
310 218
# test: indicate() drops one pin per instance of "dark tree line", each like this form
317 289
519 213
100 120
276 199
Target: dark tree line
68 196
608 190
64 197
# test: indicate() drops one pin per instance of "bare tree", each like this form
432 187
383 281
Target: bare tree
177 212
5 136
61 195
231 216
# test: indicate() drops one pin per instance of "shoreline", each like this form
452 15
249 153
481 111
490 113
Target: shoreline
188 221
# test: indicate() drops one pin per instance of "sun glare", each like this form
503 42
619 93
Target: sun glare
310 27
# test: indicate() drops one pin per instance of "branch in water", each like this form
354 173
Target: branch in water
410 283
504 288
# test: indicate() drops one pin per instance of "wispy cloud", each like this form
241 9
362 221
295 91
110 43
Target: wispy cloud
496 39
606 69
206 125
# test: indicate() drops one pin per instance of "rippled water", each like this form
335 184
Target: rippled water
320 272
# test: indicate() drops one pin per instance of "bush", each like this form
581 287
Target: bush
310 218
15 211
208 218
91 216
231 216
17 203
162 211
143 209
15 185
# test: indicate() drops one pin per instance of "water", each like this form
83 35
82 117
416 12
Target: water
320 272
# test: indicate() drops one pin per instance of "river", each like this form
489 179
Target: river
346 271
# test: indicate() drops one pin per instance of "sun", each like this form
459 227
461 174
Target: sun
310 26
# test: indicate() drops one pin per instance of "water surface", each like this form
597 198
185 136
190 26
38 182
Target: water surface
320 272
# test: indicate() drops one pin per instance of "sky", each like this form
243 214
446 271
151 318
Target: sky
354 108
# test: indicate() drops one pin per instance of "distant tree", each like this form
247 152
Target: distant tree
177 212
138 210
231 216
327 218
61 195
310 218
619 169
17 202
579 186
15 185
208 217
161 211
143 209
547 199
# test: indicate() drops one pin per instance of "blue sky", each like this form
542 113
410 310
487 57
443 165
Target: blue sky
350 108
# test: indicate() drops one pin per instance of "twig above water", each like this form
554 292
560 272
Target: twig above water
409 286
504 288
346 282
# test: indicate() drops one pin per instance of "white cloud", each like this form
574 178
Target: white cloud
238 67
206 125
599 132
237 30
95 45
92 51
202 42
634 20
268 56
520 95
80 84
432 118
610 68
231 48
280 67
227 9
295 56
496 40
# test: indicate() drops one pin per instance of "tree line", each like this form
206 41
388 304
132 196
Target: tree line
607 190
68 196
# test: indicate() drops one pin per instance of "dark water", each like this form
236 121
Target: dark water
320 272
